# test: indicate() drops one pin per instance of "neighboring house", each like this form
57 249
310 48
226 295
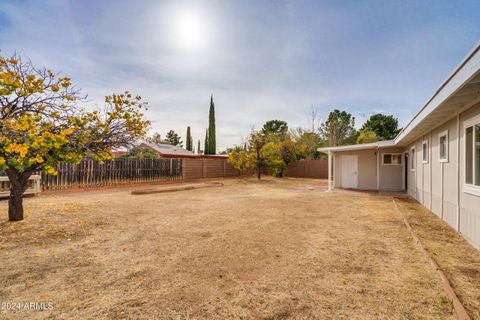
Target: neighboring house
118 153
165 150
435 158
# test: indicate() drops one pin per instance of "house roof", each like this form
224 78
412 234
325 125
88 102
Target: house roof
168 149
458 92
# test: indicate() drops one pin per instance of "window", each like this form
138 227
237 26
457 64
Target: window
412 159
472 156
443 146
393 159
425 152
469 155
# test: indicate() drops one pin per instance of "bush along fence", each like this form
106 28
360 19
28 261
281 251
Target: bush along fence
91 173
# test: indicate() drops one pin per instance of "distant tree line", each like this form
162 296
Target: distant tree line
339 129
275 146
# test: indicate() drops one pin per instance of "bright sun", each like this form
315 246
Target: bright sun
190 30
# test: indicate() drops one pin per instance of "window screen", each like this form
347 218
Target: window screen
396 159
443 147
387 159
393 159
469 155
425 152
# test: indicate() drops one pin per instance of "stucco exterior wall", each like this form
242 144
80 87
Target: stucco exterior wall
439 186
391 177
367 169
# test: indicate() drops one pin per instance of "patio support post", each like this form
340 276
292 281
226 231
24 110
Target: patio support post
378 169
329 170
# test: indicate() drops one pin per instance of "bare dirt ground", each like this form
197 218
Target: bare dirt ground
275 249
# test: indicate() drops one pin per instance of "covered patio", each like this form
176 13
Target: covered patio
372 166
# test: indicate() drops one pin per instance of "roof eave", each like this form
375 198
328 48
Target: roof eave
358 147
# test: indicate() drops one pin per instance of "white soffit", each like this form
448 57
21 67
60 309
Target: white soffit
365 146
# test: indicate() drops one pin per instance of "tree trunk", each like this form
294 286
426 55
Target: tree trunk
15 205
18 185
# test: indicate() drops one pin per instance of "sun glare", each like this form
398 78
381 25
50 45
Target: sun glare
190 30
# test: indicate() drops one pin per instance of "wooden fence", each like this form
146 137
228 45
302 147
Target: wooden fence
209 168
317 169
92 173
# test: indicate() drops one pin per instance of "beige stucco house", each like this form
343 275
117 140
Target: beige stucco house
435 158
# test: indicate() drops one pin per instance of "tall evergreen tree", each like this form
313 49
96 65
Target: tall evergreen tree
384 126
212 145
198 148
339 129
205 149
276 127
189 144
174 139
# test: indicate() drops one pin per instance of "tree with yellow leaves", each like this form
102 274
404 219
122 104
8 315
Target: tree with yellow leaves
279 153
273 150
250 157
42 124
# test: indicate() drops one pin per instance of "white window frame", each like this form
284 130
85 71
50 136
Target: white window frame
440 135
413 159
425 142
470 188
392 164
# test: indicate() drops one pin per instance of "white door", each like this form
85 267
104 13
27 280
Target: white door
349 171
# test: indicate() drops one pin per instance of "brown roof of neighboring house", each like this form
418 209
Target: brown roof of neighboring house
170 151
117 154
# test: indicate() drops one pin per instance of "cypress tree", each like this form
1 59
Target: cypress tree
206 149
198 147
189 145
212 145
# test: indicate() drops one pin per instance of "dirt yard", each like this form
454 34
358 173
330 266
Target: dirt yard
276 249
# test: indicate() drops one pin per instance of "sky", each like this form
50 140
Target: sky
261 60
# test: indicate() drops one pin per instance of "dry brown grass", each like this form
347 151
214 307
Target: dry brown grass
459 261
276 249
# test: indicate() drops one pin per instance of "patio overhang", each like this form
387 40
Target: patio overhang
357 147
